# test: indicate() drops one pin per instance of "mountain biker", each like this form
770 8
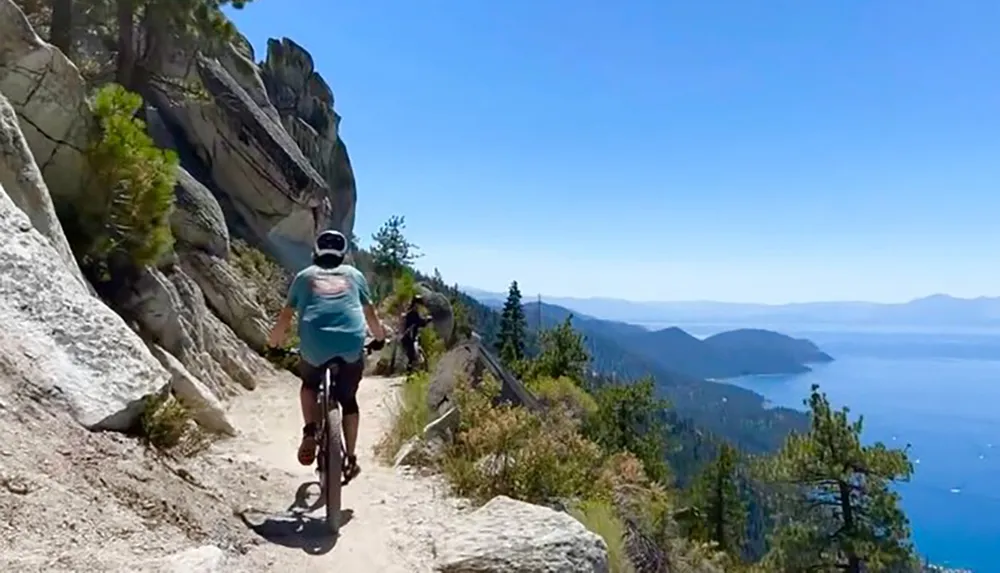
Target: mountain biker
412 323
333 305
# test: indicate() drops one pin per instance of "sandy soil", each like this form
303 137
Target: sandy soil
391 515
71 500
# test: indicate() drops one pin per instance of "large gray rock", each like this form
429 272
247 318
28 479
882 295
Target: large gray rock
50 97
460 363
509 536
205 407
197 219
305 103
229 295
171 308
84 355
269 186
440 310
23 182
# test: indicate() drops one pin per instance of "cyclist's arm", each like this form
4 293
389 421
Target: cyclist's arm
280 330
374 324
371 315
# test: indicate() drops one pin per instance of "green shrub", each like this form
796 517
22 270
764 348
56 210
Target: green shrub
565 393
409 418
404 288
123 219
431 345
508 450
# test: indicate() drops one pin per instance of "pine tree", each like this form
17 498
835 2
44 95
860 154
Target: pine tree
163 20
391 251
719 504
512 329
846 516
563 353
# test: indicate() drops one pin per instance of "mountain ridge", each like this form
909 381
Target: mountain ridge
730 354
935 309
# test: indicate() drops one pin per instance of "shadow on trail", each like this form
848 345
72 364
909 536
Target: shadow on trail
294 527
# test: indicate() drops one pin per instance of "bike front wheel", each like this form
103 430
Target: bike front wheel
332 473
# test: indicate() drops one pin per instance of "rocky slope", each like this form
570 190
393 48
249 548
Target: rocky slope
243 173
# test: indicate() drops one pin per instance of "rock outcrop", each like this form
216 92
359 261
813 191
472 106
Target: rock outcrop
305 103
205 408
509 536
169 305
242 175
468 361
439 307
48 93
23 182
460 363
270 191
81 354
197 220
228 295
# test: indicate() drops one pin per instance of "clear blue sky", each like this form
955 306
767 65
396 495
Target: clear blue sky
765 151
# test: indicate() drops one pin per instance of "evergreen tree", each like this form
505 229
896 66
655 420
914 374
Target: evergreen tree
630 418
512 329
391 251
846 517
164 20
562 353
721 512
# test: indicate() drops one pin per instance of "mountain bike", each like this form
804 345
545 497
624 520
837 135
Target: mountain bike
330 438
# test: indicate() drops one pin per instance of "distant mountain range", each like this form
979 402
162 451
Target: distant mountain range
935 310
742 352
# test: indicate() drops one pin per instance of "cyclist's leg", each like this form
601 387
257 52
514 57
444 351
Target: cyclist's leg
348 377
410 346
312 377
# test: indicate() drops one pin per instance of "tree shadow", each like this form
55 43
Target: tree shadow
294 527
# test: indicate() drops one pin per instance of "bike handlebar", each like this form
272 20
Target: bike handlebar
274 352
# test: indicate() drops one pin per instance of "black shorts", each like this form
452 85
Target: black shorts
346 377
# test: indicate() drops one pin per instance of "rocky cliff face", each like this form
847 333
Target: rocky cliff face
261 159
305 103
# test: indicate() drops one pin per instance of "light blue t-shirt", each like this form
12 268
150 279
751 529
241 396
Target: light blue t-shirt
331 316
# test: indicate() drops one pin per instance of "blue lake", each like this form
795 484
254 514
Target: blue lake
938 392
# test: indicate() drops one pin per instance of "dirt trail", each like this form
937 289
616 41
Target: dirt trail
391 516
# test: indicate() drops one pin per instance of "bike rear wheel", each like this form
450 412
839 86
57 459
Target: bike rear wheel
333 470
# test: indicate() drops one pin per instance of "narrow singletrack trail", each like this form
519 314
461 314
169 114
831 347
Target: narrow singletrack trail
390 516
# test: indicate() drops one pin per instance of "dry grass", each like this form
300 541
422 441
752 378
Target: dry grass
267 278
599 517
410 417
167 426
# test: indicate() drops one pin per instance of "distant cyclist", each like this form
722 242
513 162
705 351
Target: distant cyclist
333 305
412 323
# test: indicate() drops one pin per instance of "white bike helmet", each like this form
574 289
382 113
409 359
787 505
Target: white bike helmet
330 243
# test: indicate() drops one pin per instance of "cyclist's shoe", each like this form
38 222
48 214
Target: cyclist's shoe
307 449
351 469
